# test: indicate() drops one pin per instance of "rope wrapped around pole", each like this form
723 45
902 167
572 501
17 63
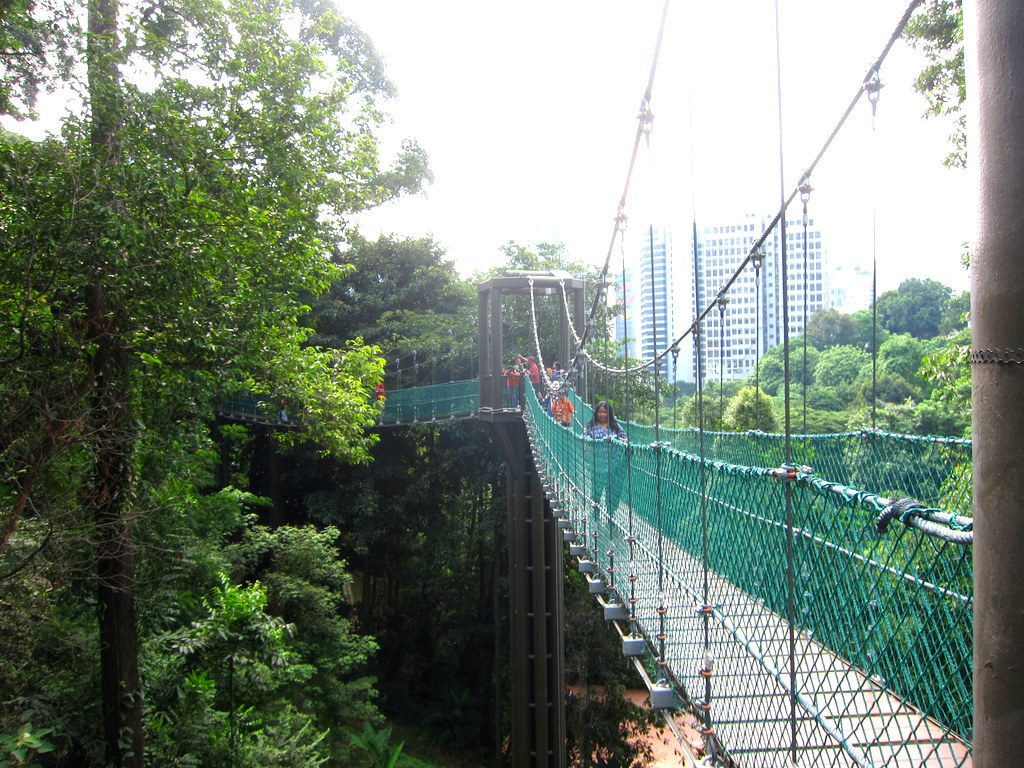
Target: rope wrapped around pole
914 514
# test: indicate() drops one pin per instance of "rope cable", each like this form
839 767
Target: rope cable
787 451
641 130
758 244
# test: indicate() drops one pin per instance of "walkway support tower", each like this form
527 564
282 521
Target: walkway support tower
995 92
537 606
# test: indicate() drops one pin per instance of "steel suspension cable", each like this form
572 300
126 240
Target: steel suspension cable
787 451
644 116
873 88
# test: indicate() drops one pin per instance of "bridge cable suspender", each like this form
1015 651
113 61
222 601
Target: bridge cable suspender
873 87
634 626
757 338
703 712
787 487
644 112
723 302
805 195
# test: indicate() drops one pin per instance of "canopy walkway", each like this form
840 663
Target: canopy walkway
776 605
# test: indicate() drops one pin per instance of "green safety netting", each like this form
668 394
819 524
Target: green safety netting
795 631
254 408
434 402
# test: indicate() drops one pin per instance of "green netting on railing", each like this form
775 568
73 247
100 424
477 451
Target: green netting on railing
254 408
792 628
435 402
929 469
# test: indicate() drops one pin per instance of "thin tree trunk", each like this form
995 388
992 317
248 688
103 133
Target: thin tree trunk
113 438
113 434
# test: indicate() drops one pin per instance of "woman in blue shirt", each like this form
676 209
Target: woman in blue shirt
607 459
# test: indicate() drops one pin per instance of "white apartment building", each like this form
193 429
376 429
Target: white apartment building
666 290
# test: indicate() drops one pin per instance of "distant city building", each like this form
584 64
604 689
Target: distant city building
661 302
851 288
657 303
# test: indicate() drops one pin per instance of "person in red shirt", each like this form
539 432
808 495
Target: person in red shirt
533 374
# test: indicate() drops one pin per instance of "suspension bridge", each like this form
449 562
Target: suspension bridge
793 611
800 600
789 600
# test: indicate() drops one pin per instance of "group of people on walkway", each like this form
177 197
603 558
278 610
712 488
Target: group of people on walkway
607 468
527 367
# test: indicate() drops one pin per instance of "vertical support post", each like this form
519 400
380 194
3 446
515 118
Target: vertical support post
537 613
483 342
490 346
537 646
579 320
995 70
497 397
563 339
522 735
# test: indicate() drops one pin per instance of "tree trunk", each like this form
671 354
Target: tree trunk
113 441
113 434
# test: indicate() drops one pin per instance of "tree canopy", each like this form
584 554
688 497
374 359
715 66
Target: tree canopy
158 258
938 30
917 307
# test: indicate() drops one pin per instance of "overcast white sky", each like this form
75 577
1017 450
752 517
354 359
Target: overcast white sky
528 112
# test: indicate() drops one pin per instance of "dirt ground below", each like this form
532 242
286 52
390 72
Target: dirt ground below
667 751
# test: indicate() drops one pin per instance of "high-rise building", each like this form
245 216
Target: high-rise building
851 288
666 291
655 299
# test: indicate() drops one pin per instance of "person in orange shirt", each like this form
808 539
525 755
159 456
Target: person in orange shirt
512 380
562 409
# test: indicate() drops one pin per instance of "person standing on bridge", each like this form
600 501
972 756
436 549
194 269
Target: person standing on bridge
533 374
513 379
606 474
562 409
